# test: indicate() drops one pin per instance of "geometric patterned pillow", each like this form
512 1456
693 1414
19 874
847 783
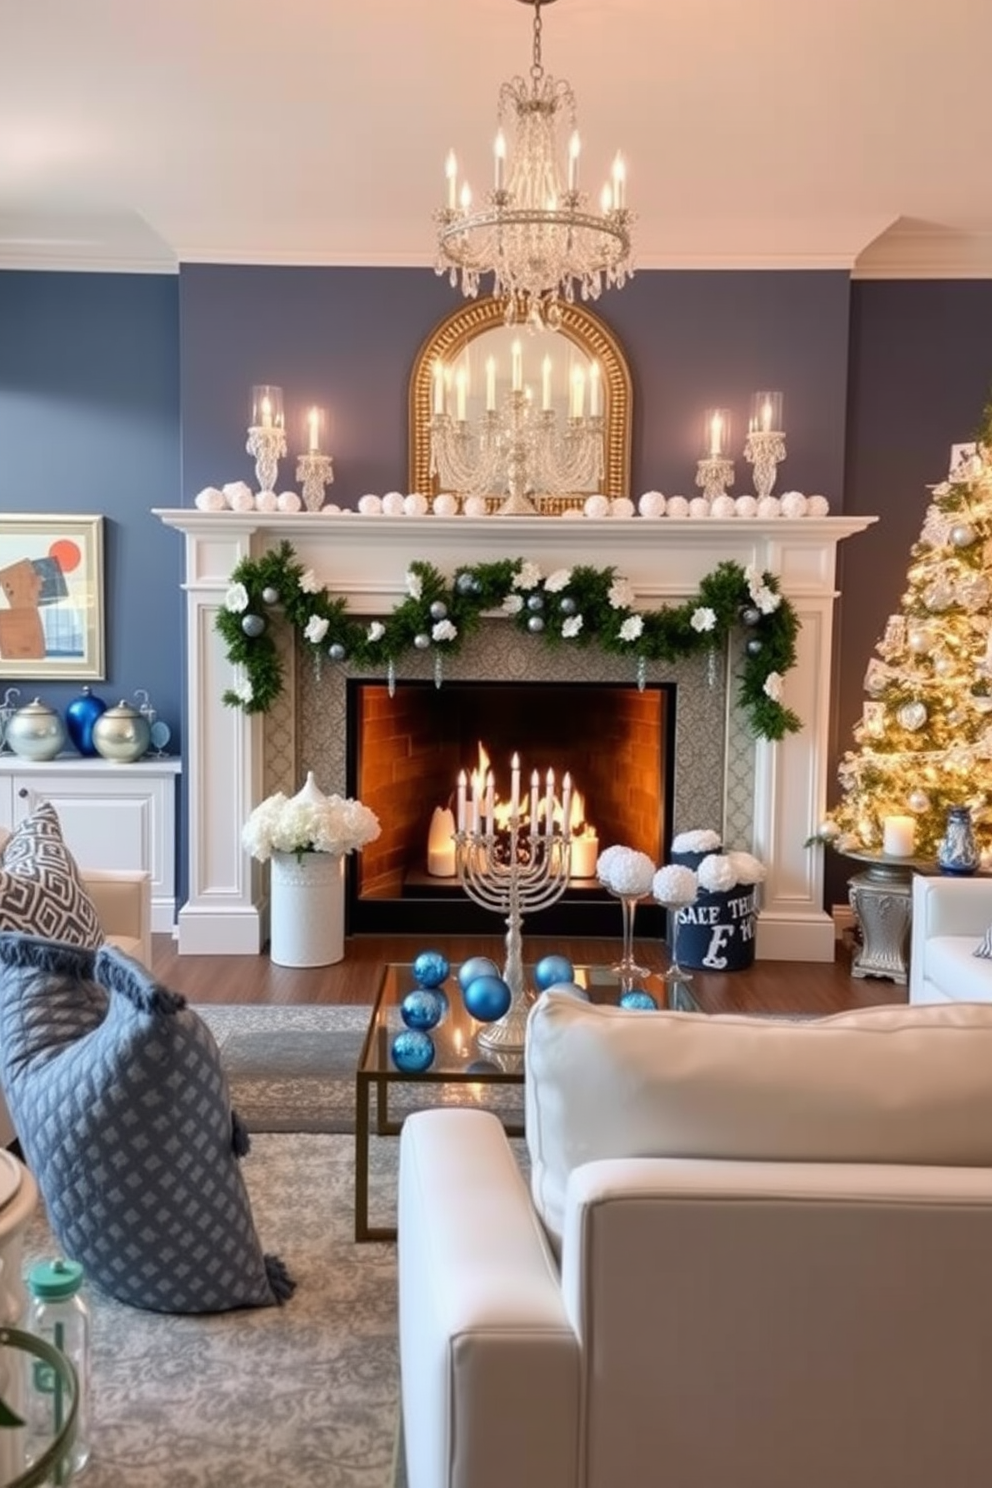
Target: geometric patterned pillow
984 946
121 1105
41 892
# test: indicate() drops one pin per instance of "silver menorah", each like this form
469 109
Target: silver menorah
513 872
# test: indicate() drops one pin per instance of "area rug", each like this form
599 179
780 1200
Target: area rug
292 1069
305 1394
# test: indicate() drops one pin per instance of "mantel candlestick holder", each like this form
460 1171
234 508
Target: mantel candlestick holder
315 472
514 873
764 447
714 474
266 434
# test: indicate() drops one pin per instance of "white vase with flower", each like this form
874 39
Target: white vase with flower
307 838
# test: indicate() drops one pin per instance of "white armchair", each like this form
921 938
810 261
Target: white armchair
950 916
683 1297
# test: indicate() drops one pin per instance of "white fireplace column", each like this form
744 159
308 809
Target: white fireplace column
365 560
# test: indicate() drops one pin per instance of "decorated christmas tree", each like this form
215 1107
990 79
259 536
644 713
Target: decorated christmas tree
925 736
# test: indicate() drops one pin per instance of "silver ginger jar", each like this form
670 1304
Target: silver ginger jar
36 732
121 734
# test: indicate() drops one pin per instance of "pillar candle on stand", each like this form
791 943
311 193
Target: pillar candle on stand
585 852
898 836
440 844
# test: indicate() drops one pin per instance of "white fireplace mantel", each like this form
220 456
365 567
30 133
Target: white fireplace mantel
365 560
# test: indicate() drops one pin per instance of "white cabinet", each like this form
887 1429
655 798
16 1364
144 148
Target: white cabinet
113 816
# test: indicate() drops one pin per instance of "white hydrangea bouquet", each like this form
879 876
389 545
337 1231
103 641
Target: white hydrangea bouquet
309 822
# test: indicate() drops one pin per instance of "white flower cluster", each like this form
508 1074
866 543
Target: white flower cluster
624 870
291 825
674 885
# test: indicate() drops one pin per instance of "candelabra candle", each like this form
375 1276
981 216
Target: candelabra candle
513 872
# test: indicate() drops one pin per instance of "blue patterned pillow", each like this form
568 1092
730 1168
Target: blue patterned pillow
121 1105
41 892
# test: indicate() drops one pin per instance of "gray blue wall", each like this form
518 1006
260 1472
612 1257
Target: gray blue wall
121 393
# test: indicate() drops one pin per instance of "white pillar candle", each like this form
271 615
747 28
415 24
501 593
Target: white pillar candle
515 786
313 431
440 844
462 785
898 836
585 851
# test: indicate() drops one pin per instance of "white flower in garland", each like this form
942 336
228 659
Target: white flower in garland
774 686
315 629
703 618
571 627
414 586
621 595
236 599
632 628
444 631
308 582
376 630
766 599
528 577
560 579
243 691
513 604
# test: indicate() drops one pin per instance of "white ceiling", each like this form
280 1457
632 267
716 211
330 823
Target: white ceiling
758 133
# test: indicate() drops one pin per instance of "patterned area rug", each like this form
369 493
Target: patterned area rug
292 1069
303 1394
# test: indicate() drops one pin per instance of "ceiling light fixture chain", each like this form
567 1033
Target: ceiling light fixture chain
536 233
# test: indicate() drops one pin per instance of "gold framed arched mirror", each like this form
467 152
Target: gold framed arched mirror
574 379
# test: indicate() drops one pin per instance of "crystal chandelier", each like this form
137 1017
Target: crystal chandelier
536 233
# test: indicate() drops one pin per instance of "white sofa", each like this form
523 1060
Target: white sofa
950 916
752 1255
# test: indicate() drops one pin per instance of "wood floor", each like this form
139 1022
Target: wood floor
768 986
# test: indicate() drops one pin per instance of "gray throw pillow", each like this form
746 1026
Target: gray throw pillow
41 891
121 1105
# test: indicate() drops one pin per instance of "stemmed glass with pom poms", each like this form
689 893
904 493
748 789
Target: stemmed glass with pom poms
627 875
675 888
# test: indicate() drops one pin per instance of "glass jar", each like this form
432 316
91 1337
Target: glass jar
59 1315
958 850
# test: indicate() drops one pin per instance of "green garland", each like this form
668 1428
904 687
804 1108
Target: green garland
575 606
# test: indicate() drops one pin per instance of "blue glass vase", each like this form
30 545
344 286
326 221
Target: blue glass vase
80 716
958 850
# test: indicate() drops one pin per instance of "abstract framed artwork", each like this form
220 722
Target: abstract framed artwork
51 597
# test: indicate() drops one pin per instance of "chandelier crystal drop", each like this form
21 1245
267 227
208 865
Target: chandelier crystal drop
536 232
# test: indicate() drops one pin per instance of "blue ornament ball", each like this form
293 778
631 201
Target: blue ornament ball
421 1008
487 998
571 988
551 969
464 583
252 625
476 966
80 716
430 968
637 1000
413 1051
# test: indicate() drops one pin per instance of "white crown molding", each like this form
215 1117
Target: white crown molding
926 253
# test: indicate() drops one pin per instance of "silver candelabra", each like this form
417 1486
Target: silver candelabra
514 873
519 449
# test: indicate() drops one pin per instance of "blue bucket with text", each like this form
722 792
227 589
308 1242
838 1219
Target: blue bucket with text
716 933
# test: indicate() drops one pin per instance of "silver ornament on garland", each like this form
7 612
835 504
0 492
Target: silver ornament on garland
336 651
535 624
438 610
252 625
754 647
918 800
912 716
567 605
920 640
535 602
464 583
962 536
270 596
421 641
750 615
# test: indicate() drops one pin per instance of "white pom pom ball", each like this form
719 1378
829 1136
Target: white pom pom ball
415 504
723 507
235 493
597 506
211 498
572 512
266 501
621 507
676 506
651 504
747 506
330 510
370 505
474 506
393 504
288 501
445 504
817 506
793 504
769 506
699 507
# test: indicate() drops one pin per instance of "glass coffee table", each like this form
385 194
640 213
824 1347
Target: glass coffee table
459 1061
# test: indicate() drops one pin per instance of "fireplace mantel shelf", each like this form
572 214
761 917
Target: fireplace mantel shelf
364 560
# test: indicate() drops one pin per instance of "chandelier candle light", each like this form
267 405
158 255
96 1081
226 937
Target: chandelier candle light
764 447
515 447
535 231
313 468
266 434
520 871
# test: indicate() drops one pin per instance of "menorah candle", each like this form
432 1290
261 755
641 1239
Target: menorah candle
462 786
535 787
549 803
